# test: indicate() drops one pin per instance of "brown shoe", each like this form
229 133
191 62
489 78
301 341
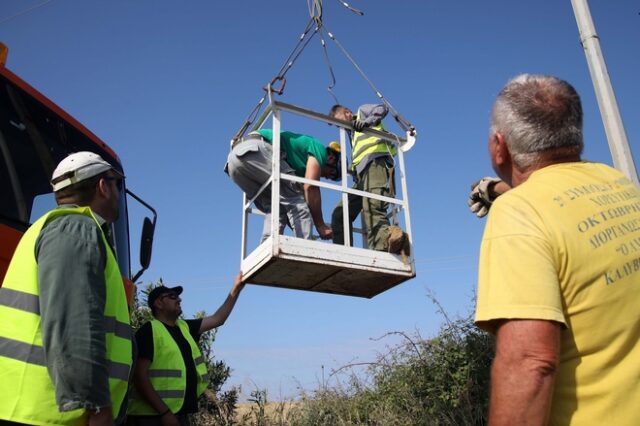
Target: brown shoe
396 240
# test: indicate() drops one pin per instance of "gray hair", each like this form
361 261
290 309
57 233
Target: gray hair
537 113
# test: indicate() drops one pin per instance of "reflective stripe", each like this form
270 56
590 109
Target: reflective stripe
20 300
364 147
31 303
205 377
165 373
21 351
118 370
119 328
135 394
170 393
35 355
362 137
199 360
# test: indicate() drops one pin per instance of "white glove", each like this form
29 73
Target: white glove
480 199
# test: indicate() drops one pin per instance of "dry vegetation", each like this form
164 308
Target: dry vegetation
440 381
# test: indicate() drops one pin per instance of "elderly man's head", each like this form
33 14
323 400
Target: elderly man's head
538 114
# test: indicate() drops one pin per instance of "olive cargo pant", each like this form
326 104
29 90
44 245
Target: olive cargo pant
377 179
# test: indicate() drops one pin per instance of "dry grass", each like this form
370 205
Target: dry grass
247 413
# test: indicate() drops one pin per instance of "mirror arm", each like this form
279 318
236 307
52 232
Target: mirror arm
153 227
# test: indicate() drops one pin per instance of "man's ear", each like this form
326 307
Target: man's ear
102 187
502 155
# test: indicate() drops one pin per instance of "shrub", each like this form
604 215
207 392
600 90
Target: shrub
440 381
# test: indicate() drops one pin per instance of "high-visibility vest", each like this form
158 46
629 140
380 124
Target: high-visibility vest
27 394
168 371
363 145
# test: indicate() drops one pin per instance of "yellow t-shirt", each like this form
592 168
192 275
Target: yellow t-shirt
565 246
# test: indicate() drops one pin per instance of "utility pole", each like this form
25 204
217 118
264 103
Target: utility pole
616 135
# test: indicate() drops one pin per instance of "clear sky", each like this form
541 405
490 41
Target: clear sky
167 83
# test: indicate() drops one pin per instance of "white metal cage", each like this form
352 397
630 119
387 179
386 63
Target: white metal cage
295 263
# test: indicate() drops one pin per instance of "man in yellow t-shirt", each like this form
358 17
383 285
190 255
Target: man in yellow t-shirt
559 279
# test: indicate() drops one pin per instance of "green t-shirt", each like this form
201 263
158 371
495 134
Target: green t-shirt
298 149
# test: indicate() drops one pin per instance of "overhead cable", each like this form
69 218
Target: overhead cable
405 124
24 12
302 43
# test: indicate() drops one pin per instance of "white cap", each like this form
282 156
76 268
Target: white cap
77 167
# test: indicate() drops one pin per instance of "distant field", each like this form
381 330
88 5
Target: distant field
271 409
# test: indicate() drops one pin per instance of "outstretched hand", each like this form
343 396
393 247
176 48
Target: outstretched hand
238 284
482 195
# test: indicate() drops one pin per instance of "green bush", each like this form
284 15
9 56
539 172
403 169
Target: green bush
439 381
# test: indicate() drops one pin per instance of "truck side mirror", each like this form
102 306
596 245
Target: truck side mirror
146 238
146 243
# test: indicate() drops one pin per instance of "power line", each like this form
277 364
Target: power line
24 12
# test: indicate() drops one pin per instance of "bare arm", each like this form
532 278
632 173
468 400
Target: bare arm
223 312
523 372
146 389
498 189
144 386
314 199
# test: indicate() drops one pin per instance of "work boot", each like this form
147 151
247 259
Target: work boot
397 240
406 247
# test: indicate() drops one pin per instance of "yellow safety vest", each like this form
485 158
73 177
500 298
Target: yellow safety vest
363 145
168 372
27 394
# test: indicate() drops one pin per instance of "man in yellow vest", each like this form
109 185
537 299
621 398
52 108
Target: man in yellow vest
65 338
373 166
170 372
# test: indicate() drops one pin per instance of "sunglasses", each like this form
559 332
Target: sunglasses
118 181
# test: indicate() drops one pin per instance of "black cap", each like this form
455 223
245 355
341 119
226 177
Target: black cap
159 291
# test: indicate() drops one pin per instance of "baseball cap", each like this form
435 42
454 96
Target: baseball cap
77 167
159 291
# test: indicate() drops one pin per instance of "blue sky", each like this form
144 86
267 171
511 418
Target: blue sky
168 83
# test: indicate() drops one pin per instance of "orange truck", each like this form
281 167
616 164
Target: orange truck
35 134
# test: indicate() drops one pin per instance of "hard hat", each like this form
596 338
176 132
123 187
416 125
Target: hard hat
334 146
77 167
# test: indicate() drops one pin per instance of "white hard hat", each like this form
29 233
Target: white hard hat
77 167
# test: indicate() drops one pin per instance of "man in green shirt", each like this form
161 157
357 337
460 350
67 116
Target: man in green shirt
249 166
